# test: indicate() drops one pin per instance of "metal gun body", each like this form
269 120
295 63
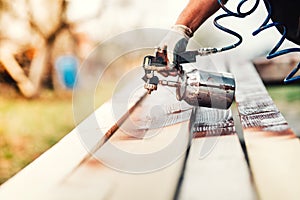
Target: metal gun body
196 87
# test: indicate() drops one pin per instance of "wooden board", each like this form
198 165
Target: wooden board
272 147
153 133
276 69
69 171
132 179
35 180
216 167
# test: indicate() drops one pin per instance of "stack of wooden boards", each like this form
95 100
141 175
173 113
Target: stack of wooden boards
208 162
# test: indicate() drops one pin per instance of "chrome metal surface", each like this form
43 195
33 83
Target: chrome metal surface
207 89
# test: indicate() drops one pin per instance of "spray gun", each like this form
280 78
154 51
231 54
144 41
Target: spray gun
196 87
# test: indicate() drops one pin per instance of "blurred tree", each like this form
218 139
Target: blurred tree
33 34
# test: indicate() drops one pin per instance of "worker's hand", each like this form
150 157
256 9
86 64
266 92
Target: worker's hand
175 42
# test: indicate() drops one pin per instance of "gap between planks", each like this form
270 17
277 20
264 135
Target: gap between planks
273 149
216 167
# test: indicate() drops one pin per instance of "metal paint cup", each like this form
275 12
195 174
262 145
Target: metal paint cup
206 89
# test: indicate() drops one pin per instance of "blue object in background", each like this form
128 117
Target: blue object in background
66 67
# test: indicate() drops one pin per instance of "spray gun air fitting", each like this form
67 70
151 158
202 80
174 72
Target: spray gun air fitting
196 87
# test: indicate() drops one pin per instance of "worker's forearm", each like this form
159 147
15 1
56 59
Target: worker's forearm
196 12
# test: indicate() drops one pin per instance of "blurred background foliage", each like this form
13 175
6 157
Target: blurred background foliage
28 128
36 106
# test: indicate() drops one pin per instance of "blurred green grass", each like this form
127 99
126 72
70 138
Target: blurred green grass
29 127
287 99
285 93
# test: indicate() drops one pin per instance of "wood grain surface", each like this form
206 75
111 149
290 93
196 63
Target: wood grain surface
142 125
272 147
52 167
130 177
216 167
139 146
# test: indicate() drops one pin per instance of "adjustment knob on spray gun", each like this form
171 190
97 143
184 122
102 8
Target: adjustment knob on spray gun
196 87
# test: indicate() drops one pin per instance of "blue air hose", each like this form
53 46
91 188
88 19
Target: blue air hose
265 25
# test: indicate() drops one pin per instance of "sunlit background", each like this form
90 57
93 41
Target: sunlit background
42 40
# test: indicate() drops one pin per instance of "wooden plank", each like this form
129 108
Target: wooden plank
272 147
216 167
159 181
276 69
34 181
107 183
68 171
